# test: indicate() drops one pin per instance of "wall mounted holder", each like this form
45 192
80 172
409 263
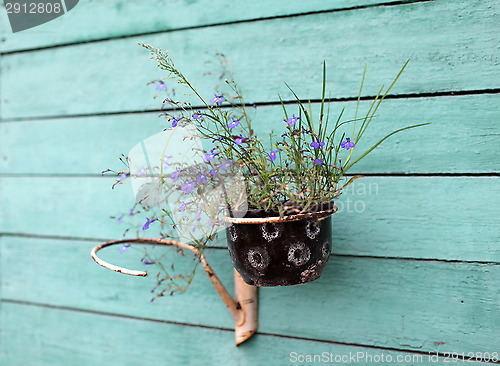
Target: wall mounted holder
243 308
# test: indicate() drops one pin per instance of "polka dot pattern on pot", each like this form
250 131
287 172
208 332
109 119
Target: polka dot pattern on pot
299 254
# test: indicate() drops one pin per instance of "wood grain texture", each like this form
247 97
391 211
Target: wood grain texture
63 337
91 20
416 264
463 138
452 218
452 44
399 304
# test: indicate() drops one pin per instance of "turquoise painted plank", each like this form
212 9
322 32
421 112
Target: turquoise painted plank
407 305
414 217
453 46
411 217
463 138
425 303
96 288
91 19
61 338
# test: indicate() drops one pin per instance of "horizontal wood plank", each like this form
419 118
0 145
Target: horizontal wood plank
91 20
401 304
452 218
59 308
452 45
63 337
462 139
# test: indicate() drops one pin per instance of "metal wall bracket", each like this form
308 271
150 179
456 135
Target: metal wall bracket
243 308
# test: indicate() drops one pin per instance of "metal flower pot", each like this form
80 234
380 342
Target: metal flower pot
280 253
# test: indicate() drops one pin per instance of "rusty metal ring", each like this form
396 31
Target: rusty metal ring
275 219
132 272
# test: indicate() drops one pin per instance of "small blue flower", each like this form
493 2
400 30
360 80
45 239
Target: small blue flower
273 154
183 206
175 121
197 115
317 144
124 248
347 144
148 222
131 211
240 139
166 163
209 157
175 175
225 165
217 99
161 85
188 186
292 120
146 262
201 178
233 124
120 219
124 176
212 172
319 162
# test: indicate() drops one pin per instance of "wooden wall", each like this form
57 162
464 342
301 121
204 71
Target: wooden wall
416 271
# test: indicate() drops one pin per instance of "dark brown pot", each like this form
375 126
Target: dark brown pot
280 254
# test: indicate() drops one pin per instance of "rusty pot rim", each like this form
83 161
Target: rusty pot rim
271 216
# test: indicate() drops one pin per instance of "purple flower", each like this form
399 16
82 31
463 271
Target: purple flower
124 175
183 206
292 120
317 144
240 139
148 222
124 248
197 115
212 172
209 157
175 175
225 165
161 85
166 163
347 144
175 121
201 178
217 99
273 155
233 124
141 172
146 262
319 162
188 186
120 219
131 211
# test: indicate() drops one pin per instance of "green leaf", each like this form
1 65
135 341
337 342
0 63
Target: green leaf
351 180
346 168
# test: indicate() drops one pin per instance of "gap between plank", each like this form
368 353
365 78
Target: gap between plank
107 39
381 175
123 316
263 104
216 247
